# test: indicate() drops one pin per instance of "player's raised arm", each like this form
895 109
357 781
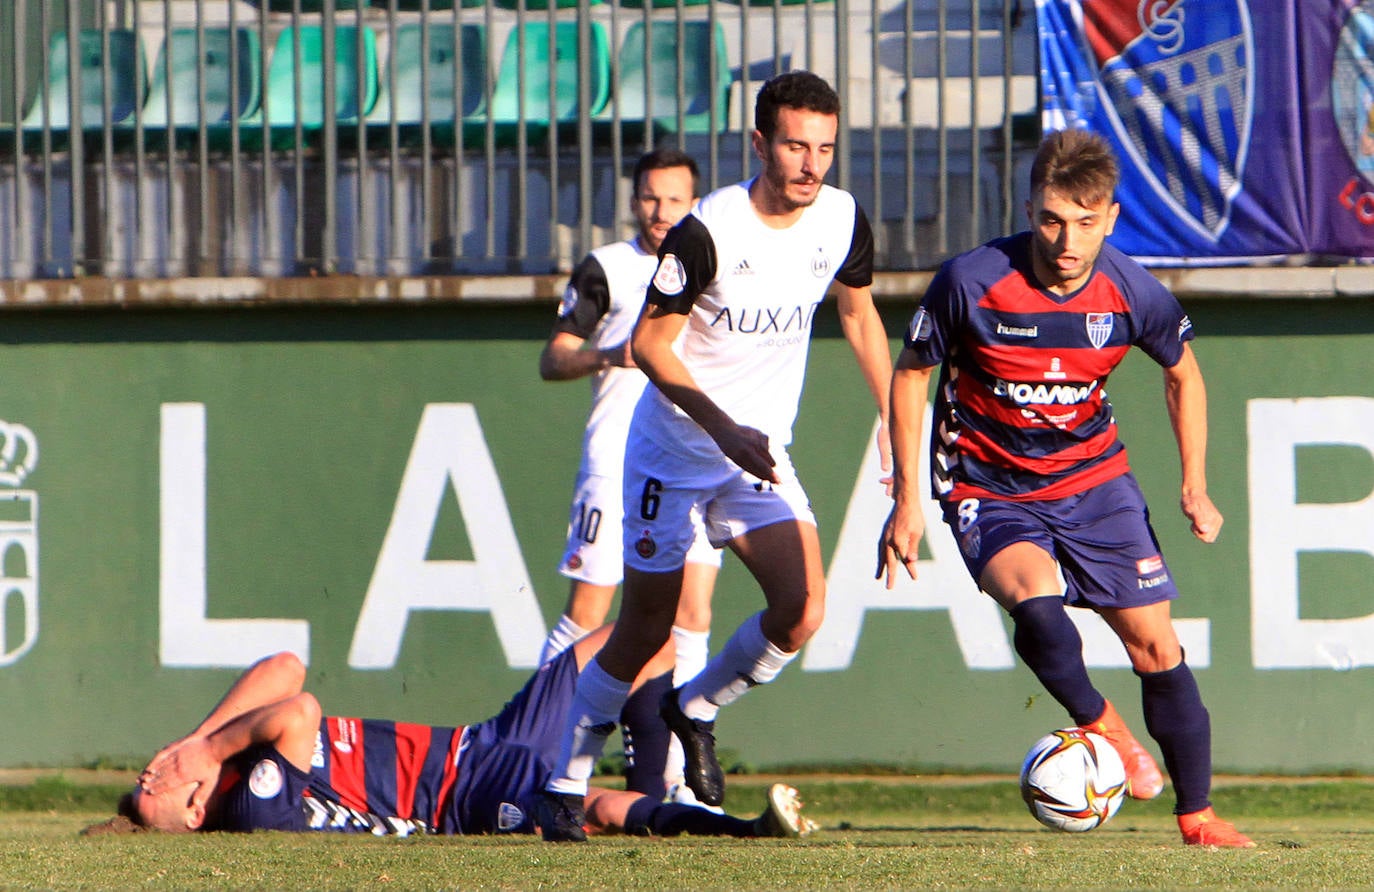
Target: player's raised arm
901 536
1185 395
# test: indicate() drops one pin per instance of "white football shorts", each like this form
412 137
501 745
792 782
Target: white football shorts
593 552
668 498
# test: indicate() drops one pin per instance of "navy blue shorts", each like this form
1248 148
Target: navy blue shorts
1101 538
505 761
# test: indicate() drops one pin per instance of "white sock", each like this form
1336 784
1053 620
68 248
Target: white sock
691 649
747 659
563 636
591 718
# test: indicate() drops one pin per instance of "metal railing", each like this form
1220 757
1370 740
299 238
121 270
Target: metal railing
172 138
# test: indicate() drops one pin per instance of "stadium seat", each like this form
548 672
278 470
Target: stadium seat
175 98
280 109
405 93
128 74
540 72
651 94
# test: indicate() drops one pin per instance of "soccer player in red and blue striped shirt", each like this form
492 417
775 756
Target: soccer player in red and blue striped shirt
267 759
1028 469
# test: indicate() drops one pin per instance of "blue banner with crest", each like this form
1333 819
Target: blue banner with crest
1244 129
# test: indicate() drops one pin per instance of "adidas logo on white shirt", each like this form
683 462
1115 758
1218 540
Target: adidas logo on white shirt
742 269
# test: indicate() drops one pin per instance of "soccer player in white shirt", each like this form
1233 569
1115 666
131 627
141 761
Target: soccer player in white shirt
723 338
591 337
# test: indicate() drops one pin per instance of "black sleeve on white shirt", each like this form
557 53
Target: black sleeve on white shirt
592 302
857 269
690 244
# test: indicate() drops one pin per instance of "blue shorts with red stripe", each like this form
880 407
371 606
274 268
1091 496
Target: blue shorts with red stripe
505 761
1101 538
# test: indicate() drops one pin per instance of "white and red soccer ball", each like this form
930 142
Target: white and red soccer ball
1073 780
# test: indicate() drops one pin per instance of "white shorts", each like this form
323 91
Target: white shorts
669 497
593 553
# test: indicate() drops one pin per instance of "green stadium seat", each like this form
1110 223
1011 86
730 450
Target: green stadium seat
652 94
404 91
280 108
540 71
174 100
127 75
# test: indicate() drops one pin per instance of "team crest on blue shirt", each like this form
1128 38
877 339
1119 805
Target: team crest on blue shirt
266 781
921 326
509 817
1099 328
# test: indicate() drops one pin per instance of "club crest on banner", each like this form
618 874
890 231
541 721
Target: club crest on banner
1352 87
1176 85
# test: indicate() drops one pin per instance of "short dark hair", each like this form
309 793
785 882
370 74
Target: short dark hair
794 89
660 159
1078 164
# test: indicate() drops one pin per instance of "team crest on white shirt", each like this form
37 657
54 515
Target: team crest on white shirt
820 264
671 277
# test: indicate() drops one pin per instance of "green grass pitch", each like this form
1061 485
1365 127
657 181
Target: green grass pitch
900 832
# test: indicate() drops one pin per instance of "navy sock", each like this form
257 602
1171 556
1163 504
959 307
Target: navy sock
646 738
1050 645
650 818
1179 723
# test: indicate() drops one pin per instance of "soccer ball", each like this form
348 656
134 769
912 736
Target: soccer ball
1073 780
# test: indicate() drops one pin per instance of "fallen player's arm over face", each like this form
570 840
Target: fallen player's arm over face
265 705
269 680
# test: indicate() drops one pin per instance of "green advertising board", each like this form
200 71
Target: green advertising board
385 492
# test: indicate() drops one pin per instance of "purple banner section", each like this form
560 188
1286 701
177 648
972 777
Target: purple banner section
1244 130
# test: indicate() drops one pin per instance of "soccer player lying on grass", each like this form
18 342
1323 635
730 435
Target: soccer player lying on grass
266 759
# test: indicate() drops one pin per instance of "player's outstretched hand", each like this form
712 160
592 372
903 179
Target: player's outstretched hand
1205 518
899 544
